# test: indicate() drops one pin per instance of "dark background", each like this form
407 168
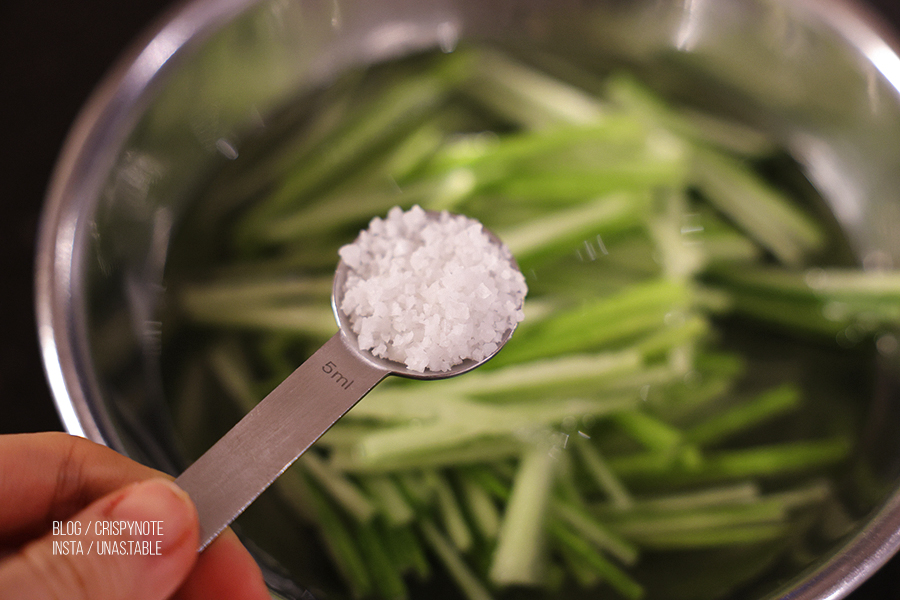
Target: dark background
52 54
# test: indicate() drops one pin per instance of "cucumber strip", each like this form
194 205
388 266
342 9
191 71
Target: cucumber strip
341 545
386 578
562 231
526 96
519 556
482 508
765 406
596 466
596 532
467 422
450 512
763 460
315 319
760 210
406 548
618 579
739 493
339 487
469 584
231 293
598 324
385 492
713 537
398 108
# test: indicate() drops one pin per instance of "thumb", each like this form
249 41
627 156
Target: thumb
137 543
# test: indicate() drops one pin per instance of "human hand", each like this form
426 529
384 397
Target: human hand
47 477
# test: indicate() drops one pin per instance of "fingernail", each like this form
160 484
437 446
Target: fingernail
155 511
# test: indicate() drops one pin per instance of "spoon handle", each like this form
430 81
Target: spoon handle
247 459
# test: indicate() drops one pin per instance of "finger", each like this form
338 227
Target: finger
71 473
224 571
74 472
105 563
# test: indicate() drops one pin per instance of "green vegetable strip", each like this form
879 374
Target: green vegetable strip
233 373
600 323
465 421
609 572
481 507
385 576
489 481
579 568
592 530
567 479
744 416
466 452
689 330
834 284
519 556
264 167
740 493
294 491
634 524
725 246
228 295
342 545
398 404
495 158
655 297
607 215
374 195
312 319
341 489
314 220
775 459
318 259
713 537
469 584
803 315
712 379
451 513
564 185
816 492
416 487
387 115
541 377
825 300
680 256
387 494
597 468
406 549
759 209
527 96
649 431
190 412
705 128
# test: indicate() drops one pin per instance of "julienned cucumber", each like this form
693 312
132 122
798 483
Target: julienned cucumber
621 421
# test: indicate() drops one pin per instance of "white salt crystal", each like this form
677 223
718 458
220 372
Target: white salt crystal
430 293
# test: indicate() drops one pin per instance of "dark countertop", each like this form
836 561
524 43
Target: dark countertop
53 54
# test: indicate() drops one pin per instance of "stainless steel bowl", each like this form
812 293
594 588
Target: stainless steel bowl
172 107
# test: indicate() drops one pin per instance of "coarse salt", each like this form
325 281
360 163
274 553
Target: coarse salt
430 292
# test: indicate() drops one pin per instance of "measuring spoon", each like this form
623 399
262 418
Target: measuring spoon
246 460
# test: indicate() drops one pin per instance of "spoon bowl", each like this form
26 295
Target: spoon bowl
394 367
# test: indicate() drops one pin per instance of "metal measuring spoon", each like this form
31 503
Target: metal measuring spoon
246 460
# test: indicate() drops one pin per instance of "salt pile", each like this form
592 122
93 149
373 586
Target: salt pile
430 292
